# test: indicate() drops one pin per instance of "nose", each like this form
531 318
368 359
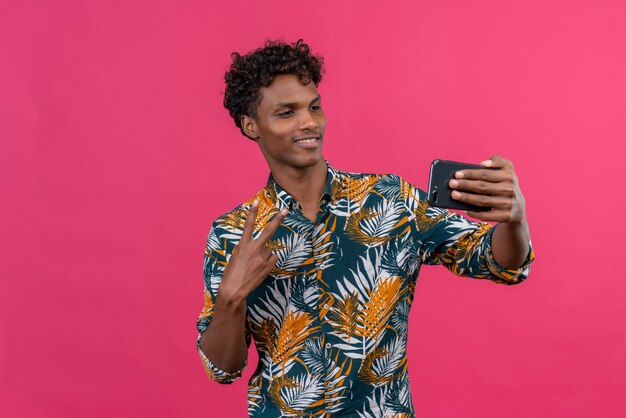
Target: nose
308 121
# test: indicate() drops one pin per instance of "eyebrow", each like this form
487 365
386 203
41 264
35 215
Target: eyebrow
317 98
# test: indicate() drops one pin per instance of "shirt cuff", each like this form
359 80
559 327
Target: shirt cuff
215 373
506 275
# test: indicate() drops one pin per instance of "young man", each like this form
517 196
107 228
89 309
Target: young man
320 266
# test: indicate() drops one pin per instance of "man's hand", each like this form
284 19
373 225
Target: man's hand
497 189
224 341
251 261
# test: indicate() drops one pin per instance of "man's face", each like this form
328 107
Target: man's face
289 112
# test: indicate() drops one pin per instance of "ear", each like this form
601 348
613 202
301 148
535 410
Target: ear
249 127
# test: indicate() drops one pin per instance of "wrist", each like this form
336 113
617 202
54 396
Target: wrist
230 304
518 227
230 299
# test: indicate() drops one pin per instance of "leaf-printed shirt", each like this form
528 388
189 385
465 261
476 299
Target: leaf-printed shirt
330 321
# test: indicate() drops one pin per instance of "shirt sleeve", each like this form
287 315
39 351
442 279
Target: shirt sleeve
463 246
216 256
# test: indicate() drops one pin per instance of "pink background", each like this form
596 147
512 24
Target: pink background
116 155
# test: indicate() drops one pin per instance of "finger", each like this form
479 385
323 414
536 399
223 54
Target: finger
248 227
269 265
491 215
496 202
498 161
266 252
272 260
487 163
483 187
272 227
492 176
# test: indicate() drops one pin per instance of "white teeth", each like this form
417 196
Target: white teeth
307 140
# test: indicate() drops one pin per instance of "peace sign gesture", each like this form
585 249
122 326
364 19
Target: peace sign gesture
252 260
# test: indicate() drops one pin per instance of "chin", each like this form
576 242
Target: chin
309 161
313 160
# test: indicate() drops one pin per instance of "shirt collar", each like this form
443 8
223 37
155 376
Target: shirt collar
284 199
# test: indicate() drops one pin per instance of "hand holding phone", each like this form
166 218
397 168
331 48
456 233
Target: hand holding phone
489 191
439 190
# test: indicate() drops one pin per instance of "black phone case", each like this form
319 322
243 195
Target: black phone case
440 193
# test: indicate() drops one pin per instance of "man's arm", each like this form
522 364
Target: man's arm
499 190
224 343
510 244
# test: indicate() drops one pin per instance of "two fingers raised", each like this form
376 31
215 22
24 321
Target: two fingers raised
268 232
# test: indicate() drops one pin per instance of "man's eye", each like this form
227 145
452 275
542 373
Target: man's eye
316 107
285 114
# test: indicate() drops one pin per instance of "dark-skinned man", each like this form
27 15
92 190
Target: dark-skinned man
320 266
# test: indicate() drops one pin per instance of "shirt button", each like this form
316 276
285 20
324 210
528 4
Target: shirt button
322 267
326 306
328 346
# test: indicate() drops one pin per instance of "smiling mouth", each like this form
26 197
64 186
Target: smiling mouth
308 139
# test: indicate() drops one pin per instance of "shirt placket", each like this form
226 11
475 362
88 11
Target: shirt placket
320 284
323 290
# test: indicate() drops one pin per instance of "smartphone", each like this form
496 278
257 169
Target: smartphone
440 193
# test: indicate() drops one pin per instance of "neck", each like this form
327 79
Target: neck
306 185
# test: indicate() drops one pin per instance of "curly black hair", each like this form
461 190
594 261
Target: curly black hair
257 69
